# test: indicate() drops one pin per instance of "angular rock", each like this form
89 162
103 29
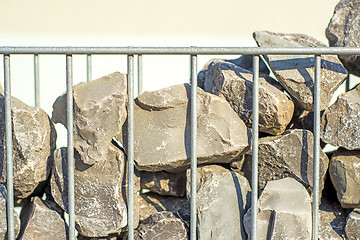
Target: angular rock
162 130
42 220
296 72
344 171
235 85
353 225
99 113
160 226
343 31
3 216
223 198
110 237
284 212
340 123
164 183
34 140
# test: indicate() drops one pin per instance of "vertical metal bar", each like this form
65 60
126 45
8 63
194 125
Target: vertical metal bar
130 150
140 75
70 145
36 80
316 146
89 67
193 147
8 147
255 143
347 83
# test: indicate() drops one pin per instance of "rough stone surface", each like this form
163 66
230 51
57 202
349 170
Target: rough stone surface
284 211
223 198
162 133
343 31
235 85
3 221
34 140
353 225
160 226
99 113
344 171
41 220
340 123
296 72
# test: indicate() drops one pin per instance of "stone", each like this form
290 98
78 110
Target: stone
344 172
110 237
3 215
340 123
223 198
164 183
162 133
235 84
160 226
284 211
99 113
34 141
42 220
100 190
353 225
343 31
296 72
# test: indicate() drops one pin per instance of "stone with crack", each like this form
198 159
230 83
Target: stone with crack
353 225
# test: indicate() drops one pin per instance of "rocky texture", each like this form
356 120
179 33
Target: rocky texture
344 171
42 220
99 113
343 31
284 211
164 183
235 84
34 140
162 130
340 123
160 226
332 220
223 197
110 237
296 72
3 216
353 225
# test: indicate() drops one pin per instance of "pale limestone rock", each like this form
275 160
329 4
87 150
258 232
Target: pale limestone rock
353 225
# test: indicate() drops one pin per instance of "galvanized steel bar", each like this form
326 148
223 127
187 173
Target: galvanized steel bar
316 146
70 146
347 83
255 143
8 148
36 80
193 146
89 67
130 146
140 74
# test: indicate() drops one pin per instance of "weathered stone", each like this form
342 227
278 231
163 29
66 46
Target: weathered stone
100 190
99 113
160 226
345 175
353 225
296 72
284 212
222 200
343 31
41 220
110 237
34 140
164 183
235 85
3 216
162 130
340 123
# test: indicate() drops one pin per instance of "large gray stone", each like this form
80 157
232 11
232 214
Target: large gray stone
42 220
296 72
343 31
344 171
235 85
284 212
34 140
353 225
223 198
162 133
340 123
3 216
99 113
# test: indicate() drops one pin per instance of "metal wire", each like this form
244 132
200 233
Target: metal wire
36 80
140 75
89 68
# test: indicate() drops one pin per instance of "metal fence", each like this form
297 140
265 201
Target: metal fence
193 52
